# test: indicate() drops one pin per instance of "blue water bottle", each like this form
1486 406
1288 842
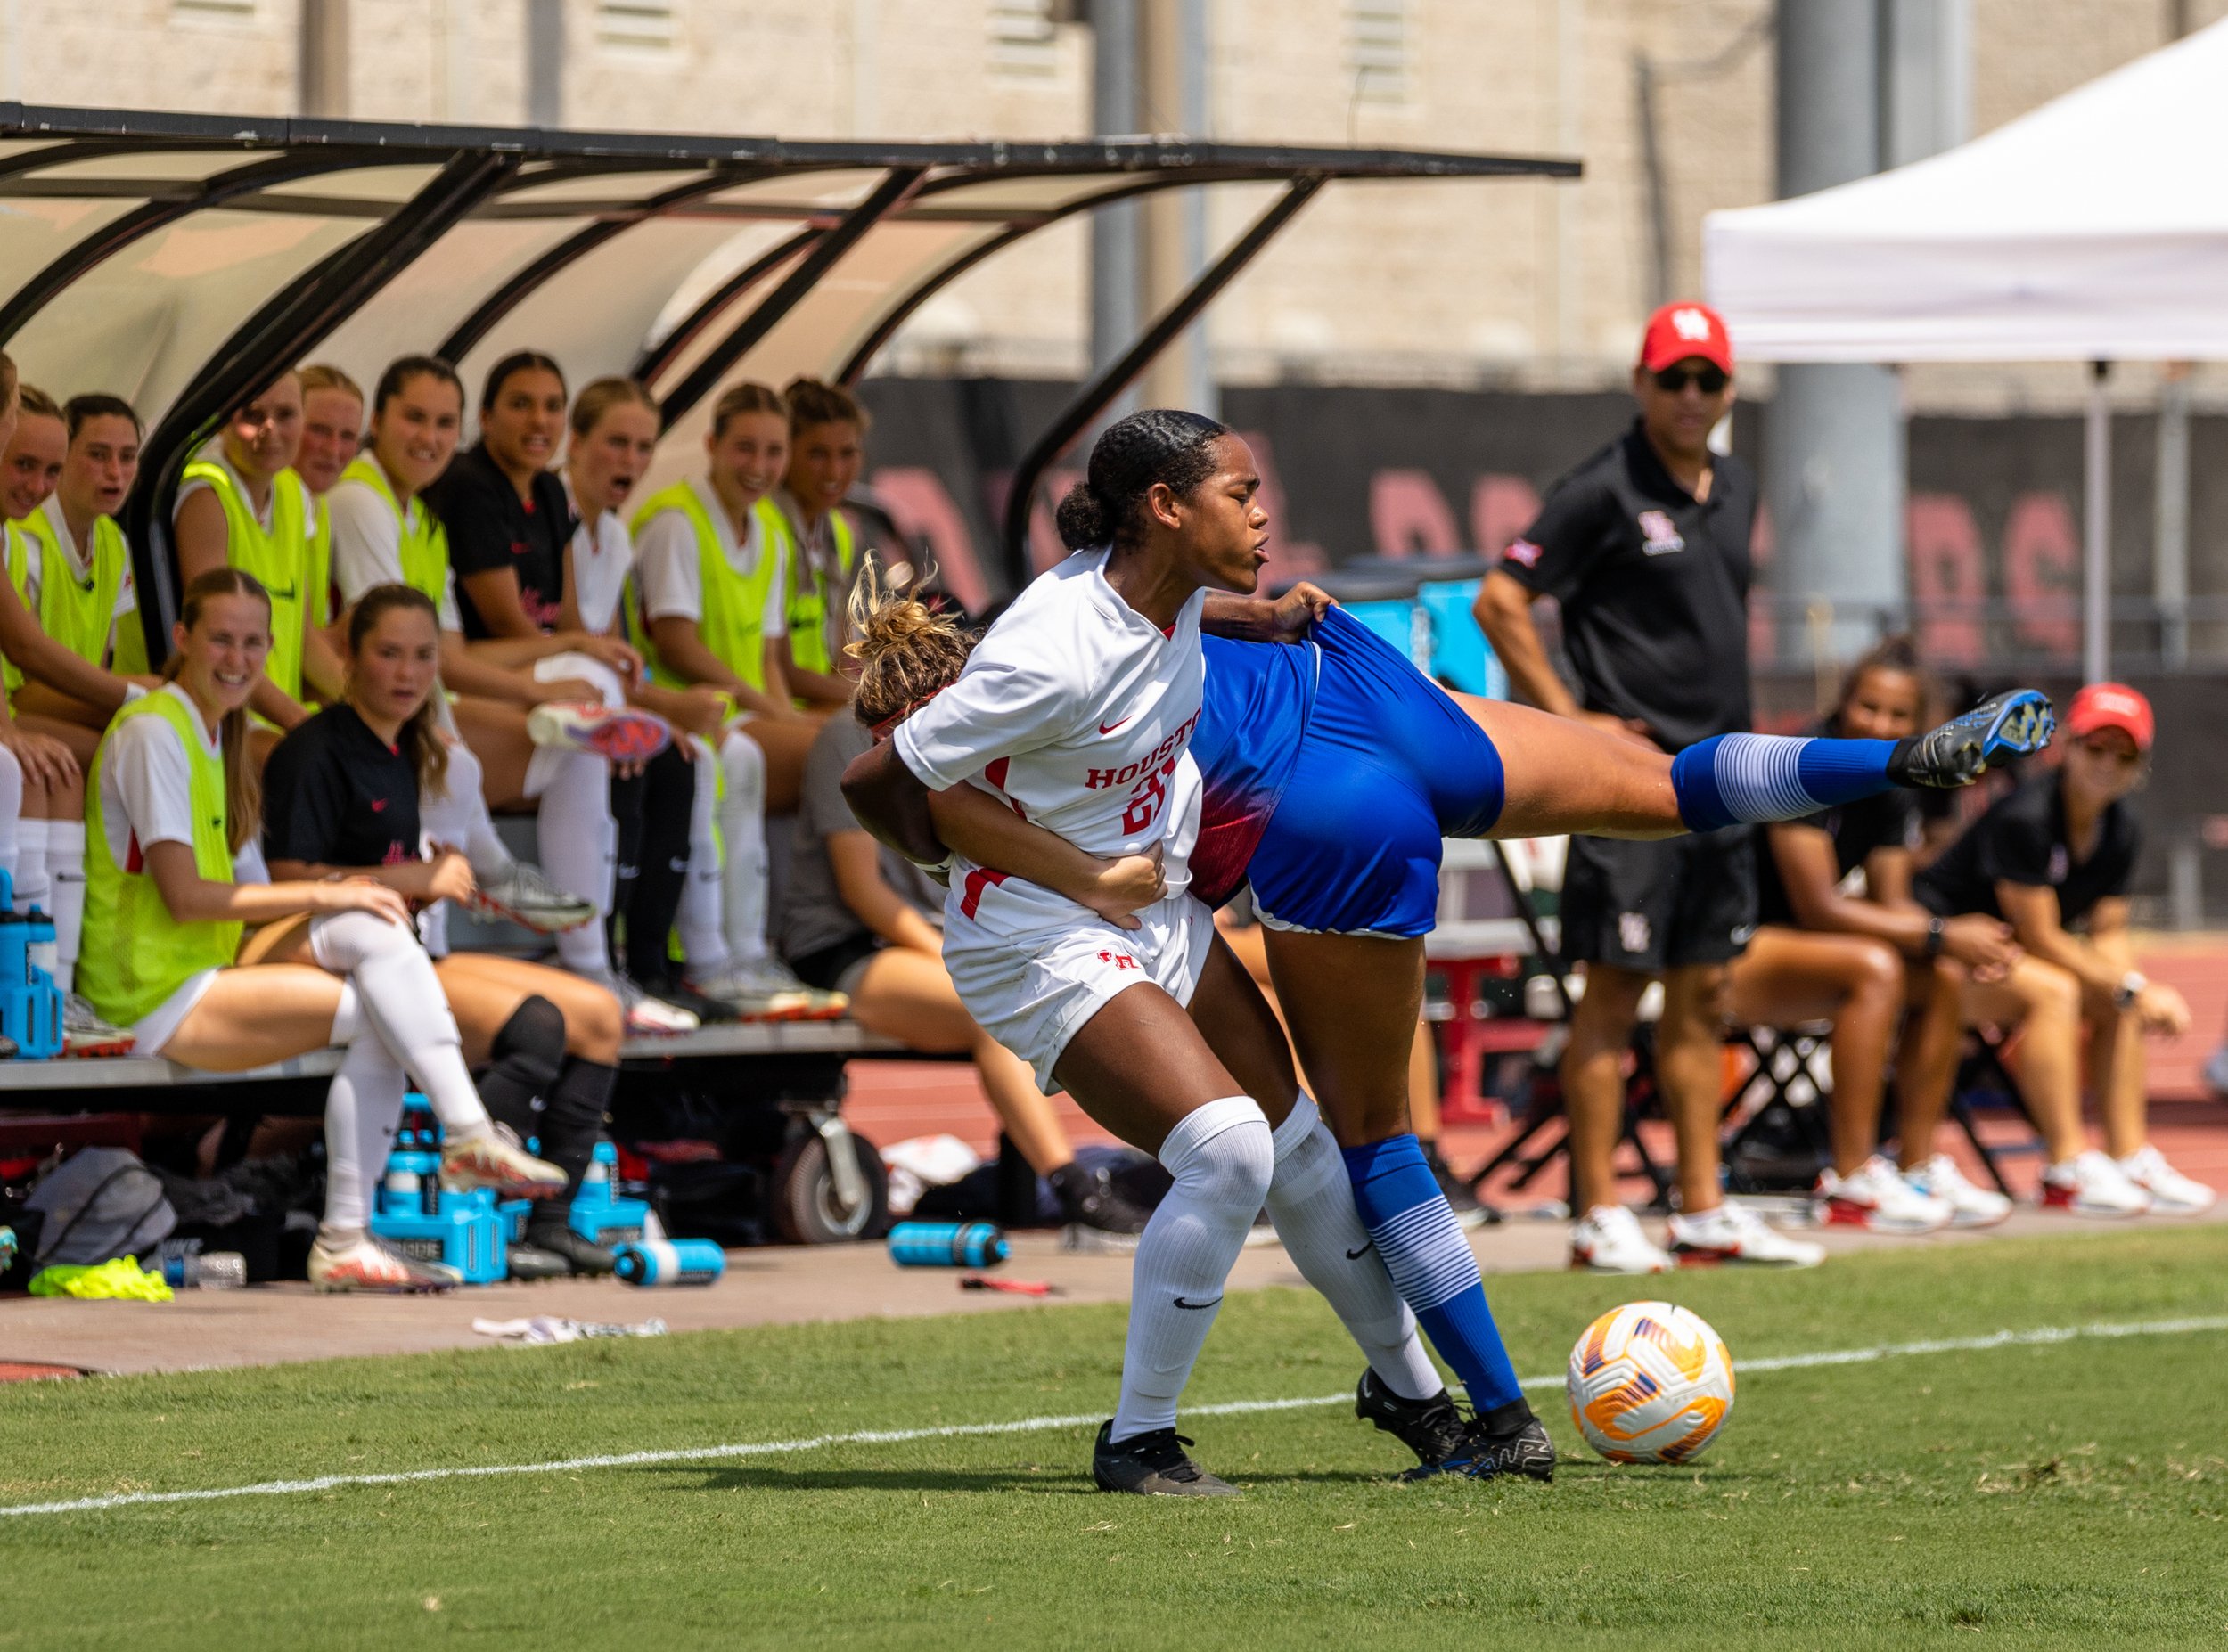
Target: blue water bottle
669 1262
947 1245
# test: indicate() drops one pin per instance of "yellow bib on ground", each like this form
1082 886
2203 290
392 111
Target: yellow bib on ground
733 621
136 954
279 556
424 549
78 613
810 593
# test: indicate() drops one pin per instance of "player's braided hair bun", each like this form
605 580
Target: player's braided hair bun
1160 445
906 649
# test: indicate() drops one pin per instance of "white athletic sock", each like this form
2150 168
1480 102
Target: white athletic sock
1222 1158
1311 1203
742 839
578 843
701 920
65 871
363 1109
460 819
11 812
402 999
32 888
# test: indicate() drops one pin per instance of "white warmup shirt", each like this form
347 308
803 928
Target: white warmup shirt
147 791
367 546
667 562
598 559
1076 710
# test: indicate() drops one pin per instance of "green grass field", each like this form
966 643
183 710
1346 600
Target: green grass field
2064 1494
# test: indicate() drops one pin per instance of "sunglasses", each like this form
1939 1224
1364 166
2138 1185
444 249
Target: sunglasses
1671 380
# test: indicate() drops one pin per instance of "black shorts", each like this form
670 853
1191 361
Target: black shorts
1660 905
826 968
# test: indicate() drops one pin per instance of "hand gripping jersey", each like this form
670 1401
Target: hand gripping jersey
1076 710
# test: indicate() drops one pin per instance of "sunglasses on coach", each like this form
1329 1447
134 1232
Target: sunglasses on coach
1671 380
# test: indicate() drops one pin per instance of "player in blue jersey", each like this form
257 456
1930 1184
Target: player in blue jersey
1330 773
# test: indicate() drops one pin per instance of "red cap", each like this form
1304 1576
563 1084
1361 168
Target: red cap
1684 329
2111 706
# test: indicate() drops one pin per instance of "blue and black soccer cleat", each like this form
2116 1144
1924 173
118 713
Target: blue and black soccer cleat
2014 724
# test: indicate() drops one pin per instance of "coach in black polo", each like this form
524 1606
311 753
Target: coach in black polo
1645 545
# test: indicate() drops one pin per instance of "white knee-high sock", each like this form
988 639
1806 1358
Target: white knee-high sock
65 870
460 818
1311 1203
31 885
11 812
403 1001
579 849
703 935
742 839
363 1109
1222 1158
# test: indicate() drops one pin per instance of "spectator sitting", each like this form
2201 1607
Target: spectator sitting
859 919
1857 959
2054 859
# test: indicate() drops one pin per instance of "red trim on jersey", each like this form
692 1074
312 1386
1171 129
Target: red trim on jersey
978 881
133 861
996 770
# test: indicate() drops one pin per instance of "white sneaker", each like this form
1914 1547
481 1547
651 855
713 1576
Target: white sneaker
1608 1239
1874 1197
762 989
646 1017
1970 1206
2170 1190
2090 1184
1730 1232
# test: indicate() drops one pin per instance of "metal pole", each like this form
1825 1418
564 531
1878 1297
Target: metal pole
1115 273
323 84
1833 432
2170 546
2096 510
546 62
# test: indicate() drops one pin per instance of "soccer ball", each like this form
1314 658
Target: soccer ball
1650 1383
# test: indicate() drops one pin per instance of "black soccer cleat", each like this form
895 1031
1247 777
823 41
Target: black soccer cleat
2014 724
1510 1441
580 1255
1089 1198
1434 1429
1152 1464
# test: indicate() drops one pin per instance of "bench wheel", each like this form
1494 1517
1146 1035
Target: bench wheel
805 1208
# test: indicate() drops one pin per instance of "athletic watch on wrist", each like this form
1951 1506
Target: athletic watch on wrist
1936 928
2130 988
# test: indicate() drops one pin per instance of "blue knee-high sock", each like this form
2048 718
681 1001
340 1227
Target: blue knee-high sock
1431 1265
1728 778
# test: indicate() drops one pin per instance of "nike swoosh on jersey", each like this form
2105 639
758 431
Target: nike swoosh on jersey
1356 1255
1210 1303
1108 728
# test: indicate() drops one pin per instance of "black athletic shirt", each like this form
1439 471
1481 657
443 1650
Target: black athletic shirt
1654 588
2022 839
335 794
489 526
1888 820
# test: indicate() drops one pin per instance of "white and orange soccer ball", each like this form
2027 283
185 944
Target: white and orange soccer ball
1650 1383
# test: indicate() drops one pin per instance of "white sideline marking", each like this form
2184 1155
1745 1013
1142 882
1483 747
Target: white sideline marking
1031 1425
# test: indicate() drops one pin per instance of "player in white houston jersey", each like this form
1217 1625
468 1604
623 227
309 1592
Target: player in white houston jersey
1076 710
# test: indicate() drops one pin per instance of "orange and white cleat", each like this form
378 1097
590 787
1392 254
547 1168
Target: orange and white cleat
491 1159
618 736
364 1263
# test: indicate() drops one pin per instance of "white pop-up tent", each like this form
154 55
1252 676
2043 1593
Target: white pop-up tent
2094 228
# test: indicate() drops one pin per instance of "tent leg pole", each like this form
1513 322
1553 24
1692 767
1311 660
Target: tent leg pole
2096 584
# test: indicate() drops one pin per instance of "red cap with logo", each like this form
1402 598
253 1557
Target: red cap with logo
2111 706
1681 329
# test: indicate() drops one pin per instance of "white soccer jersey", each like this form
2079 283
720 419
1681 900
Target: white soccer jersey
1076 710
600 556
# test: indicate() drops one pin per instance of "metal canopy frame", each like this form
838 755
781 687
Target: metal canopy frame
347 238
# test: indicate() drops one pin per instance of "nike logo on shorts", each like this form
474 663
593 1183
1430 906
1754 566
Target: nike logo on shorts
1356 1255
1210 1303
